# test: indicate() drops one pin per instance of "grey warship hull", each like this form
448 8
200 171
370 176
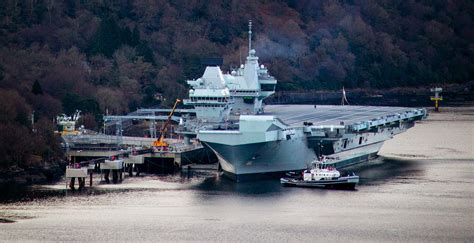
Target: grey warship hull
289 137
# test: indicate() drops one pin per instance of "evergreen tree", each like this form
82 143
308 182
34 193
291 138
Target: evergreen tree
70 8
145 51
37 90
135 40
107 38
126 36
2 75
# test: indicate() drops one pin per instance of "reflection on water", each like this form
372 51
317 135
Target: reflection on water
383 169
223 184
375 172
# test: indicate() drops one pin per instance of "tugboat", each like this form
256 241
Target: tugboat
322 176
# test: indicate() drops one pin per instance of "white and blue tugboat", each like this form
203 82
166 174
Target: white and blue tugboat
323 176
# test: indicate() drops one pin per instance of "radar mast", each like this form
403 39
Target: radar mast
250 36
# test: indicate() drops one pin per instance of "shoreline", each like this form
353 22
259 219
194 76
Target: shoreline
32 175
453 94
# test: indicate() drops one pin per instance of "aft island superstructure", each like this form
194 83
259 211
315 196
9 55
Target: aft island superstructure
250 138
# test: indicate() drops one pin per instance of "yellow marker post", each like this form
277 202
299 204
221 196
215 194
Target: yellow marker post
437 98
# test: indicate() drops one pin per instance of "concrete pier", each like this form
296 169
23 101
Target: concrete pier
112 166
113 160
80 174
134 162
180 155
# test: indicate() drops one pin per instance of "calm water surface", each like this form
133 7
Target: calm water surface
411 193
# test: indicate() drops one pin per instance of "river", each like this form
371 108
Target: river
421 188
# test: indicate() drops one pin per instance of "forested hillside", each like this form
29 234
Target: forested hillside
58 56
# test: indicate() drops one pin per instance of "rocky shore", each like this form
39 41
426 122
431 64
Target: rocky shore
37 174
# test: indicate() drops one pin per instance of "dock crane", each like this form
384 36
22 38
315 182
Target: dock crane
161 141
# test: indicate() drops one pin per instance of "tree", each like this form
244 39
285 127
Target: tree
89 121
107 38
37 90
135 40
15 149
46 143
126 36
146 52
72 102
14 108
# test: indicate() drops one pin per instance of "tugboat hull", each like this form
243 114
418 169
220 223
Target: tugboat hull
347 183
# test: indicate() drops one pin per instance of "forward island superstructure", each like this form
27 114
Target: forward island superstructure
250 138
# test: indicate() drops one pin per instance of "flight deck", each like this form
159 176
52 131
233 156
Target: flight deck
333 115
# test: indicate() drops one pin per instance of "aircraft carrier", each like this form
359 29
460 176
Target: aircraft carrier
250 138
